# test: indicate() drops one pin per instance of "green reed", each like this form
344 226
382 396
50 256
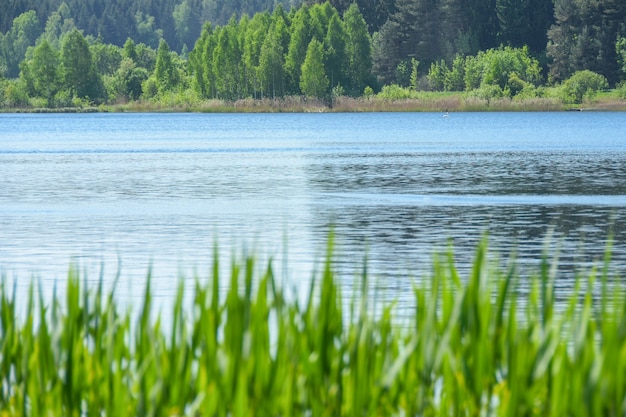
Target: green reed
475 345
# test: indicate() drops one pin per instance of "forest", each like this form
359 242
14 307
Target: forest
69 53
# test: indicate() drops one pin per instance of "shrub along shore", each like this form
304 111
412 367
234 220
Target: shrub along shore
474 345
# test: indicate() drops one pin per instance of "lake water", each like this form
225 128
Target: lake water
130 191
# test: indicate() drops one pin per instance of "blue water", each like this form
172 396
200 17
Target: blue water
134 191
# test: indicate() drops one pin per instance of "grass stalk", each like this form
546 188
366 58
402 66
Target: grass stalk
476 345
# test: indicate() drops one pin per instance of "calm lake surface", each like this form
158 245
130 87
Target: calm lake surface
130 191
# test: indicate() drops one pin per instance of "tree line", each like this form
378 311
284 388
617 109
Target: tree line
498 47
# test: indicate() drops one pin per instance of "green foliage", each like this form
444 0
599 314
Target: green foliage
335 56
226 63
358 49
41 75
509 69
150 87
620 49
454 78
13 46
106 57
314 82
500 64
525 23
487 92
264 56
78 69
147 31
396 92
583 38
15 93
126 83
271 65
583 85
165 72
187 27
59 24
299 41
437 75
490 342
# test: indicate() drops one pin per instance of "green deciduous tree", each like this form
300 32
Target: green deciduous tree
359 51
79 73
300 38
581 85
201 63
226 63
23 34
106 57
254 36
130 51
165 72
58 25
314 82
127 81
271 64
335 56
509 69
42 72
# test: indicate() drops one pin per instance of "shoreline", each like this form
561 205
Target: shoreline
434 103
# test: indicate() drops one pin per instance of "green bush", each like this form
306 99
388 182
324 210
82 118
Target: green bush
396 92
528 91
582 85
150 87
437 75
486 92
500 67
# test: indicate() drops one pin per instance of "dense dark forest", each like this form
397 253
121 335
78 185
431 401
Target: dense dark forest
130 49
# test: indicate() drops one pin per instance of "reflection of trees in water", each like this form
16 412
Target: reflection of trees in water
401 207
400 241
418 230
486 173
362 196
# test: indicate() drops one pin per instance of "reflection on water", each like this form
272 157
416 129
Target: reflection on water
405 206
160 190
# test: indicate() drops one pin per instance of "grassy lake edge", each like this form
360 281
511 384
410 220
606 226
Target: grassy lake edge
425 102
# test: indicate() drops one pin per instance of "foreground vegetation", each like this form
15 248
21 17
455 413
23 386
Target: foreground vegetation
482 344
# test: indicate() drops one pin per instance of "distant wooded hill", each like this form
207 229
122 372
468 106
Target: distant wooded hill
232 49
177 21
